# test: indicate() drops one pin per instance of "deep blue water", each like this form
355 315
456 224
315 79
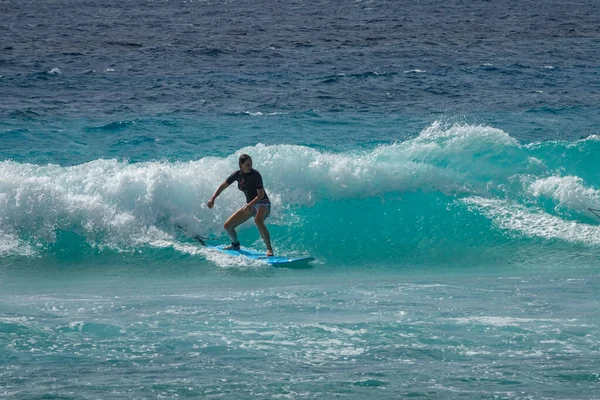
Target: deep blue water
438 159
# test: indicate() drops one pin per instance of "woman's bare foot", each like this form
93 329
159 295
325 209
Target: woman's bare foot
269 253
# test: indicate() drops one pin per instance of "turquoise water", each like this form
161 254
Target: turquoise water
439 162
455 264
121 330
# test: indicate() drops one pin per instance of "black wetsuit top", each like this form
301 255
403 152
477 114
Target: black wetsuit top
248 183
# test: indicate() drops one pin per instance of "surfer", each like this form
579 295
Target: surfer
257 204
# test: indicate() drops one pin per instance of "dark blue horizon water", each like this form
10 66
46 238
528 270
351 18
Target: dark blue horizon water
438 159
105 80
107 59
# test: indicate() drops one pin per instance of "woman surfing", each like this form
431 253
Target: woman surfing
257 204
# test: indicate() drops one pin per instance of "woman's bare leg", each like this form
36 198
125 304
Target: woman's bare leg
259 220
235 220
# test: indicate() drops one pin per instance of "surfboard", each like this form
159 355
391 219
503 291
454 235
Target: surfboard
277 260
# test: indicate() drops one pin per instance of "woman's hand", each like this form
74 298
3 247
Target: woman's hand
211 202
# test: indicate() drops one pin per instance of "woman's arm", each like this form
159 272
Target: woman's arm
260 194
222 186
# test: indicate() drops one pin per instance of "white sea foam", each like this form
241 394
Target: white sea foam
501 321
568 191
260 114
532 222
10 244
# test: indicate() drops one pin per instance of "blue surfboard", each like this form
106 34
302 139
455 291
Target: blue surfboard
277 261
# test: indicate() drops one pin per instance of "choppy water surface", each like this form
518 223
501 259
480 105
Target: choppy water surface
438 160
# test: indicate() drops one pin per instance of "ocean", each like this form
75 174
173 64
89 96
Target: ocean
439 160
